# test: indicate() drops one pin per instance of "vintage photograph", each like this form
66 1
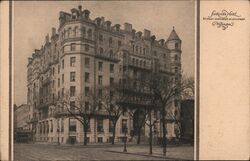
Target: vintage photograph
104 80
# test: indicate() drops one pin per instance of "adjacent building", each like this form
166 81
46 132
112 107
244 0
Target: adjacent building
86 54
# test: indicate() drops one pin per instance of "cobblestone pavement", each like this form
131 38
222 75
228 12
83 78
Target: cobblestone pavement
98 152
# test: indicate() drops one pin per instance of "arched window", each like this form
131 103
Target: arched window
101 50
89 34
136 49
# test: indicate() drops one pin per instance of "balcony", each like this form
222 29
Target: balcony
106 56
33 120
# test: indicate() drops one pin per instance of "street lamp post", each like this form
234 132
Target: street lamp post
125 139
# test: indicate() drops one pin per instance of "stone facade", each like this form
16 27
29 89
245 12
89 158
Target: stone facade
85 53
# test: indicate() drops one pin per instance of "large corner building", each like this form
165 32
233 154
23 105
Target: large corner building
84 54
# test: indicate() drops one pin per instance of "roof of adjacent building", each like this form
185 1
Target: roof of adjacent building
173 36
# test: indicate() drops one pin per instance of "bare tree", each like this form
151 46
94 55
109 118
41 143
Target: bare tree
114 101
81 107
165 89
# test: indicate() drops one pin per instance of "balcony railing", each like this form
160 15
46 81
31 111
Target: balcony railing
106 56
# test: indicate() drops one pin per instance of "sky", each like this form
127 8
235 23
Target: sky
33 20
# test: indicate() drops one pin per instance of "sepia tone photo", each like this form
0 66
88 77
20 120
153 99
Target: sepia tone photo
104 80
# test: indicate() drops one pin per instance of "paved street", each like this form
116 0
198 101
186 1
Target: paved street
98 152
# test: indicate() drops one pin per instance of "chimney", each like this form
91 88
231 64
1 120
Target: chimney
36 51
139 34
47 38
147 34
30 59
133 32
53 31
128 27
80 8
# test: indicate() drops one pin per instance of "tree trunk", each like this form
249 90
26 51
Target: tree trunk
150 135
113 138
139 136
164 141
85 135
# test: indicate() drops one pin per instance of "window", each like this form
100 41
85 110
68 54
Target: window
72 106
100 93
110 40
111 54
111 126
63 64
100 125
58 94
53 84
176 57
58 67
144 63
164 55
155 53
100 38
51 126
86 77
100 66
62 78
86 47
53 71
101 50
124 125
136 49
111 69
73 47
72 90
62 92
100 79
119 43
86 91
58 83
86 106
144 51
140 62
176 69
72 76
72 125
100 140
176 45
89 34
100 105
72 61
87 62
111 81
83 31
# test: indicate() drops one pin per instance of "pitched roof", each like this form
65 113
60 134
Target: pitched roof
173 36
